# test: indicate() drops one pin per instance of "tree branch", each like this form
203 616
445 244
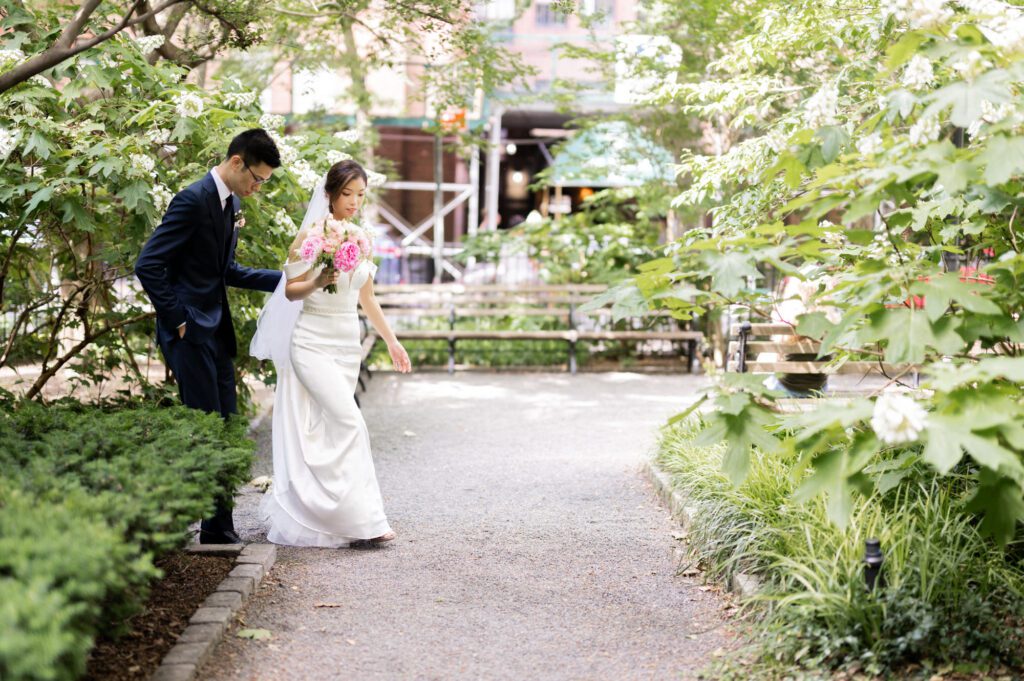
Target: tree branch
49 373
74 29
57 53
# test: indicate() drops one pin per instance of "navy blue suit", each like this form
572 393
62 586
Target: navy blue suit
185 268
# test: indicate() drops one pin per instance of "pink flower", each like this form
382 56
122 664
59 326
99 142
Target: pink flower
311 248
364 244
346 257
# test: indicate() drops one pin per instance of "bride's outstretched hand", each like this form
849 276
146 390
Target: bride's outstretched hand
400 358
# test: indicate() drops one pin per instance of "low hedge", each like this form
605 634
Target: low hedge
88 499
951 598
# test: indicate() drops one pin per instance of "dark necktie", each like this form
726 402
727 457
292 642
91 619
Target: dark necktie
229 226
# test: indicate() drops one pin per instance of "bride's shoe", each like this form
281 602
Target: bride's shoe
383 538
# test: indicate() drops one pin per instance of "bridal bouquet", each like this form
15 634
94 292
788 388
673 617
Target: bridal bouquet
336 244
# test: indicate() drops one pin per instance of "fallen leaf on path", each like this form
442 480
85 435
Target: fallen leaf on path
255 634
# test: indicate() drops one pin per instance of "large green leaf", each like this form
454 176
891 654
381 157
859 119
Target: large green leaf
964 98
955 177
729 271
133 193
999 501
1003 158
949 436
740 432
38 144
943 289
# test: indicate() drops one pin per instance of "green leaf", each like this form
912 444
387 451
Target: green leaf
739 433
106 166
133 193
956 176
949 436
38 144
943 289
999 501
964 98
729 271
681 416
813 324
1003 158
44 194
904 49
73 212
833 139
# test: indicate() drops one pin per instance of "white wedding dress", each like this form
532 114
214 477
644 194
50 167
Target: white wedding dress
325 490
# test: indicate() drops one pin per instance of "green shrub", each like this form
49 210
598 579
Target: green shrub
88 498
62 558
951 595
154 470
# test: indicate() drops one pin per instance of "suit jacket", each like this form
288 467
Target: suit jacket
188 263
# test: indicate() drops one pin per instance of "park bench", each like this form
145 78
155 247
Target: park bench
453 305
762 348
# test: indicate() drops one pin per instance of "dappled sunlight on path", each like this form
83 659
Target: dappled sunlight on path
530 546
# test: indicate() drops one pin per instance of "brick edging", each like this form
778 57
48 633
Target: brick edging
740 583
209 623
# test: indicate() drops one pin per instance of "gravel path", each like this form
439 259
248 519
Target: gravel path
530 546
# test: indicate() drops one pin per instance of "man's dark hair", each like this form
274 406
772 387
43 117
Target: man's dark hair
255 146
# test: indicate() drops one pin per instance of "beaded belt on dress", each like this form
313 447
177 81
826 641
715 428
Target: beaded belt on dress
325 310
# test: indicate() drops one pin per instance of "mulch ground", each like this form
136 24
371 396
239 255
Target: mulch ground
188 580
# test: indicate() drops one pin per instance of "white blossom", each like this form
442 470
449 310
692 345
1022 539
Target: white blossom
918 73
289 154
8 143
350 136
271 121
921 13
189 105
283 221
9 58
239 100
148 43
161 197
898 419
304 174
158 136
375 179
335 156
821 107
971 65
870 145
924 130
142 162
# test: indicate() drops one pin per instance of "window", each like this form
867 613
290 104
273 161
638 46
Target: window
606 8
548 16
496 10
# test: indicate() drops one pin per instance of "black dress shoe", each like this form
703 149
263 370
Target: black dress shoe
228 537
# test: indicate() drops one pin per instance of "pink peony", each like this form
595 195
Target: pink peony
364 244
346 257
311 248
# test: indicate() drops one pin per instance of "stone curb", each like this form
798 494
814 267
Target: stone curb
740 583
208 624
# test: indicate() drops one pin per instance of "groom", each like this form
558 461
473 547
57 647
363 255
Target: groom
186 267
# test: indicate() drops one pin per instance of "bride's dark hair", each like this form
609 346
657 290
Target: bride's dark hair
340 174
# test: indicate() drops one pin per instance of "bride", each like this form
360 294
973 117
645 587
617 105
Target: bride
325 490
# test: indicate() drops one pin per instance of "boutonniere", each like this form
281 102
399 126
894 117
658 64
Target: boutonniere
239 220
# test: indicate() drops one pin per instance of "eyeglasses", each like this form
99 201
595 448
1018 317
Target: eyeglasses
257 180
